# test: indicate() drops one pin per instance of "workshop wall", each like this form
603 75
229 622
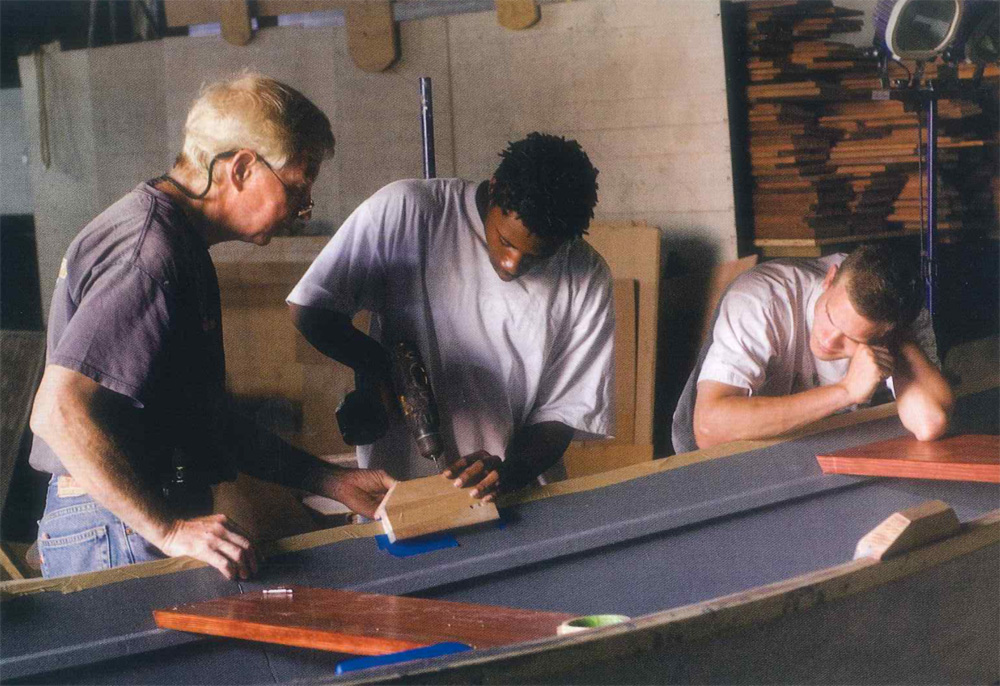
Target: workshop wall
640 83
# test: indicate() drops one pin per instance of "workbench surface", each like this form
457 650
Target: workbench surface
659 540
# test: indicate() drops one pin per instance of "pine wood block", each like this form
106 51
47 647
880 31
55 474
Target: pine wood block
357 623
430 505
909 529
968 457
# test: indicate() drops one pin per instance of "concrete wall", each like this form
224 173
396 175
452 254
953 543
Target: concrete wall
640 83
16 195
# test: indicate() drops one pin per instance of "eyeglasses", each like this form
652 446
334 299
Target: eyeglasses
297 197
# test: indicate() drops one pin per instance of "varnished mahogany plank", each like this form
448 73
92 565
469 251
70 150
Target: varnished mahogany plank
968 457
358 623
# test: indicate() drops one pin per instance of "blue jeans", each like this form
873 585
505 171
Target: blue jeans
77 535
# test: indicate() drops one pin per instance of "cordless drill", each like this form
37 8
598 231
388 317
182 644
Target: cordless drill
416 400
362 416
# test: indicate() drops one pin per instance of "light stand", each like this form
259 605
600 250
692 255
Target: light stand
922 30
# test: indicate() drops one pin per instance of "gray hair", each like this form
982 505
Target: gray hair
259 113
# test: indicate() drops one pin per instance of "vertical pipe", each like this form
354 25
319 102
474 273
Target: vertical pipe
930 265
92 25
427 126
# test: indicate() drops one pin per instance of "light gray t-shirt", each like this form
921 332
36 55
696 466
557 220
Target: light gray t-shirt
499 355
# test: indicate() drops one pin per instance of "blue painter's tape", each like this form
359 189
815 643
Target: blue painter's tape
436 650
415 546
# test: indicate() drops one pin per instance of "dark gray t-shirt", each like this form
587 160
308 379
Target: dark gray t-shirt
136 309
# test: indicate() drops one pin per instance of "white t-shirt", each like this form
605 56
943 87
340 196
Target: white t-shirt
500 355
760 339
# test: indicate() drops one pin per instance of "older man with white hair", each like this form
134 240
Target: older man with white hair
131 418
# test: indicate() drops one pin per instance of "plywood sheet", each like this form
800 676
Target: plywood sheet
968 457
585 458
625 359
358 623
632 251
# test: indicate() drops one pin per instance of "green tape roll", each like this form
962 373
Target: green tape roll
589 622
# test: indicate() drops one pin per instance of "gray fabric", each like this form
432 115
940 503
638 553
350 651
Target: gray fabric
136 309
741 508
682 429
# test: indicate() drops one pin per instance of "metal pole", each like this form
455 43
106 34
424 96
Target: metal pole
929 263
427 126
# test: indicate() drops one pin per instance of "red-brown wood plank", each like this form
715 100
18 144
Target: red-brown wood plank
358 623
967 457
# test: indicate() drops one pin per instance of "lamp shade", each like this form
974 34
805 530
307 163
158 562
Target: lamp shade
917 29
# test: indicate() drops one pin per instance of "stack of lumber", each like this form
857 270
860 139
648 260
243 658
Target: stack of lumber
828 160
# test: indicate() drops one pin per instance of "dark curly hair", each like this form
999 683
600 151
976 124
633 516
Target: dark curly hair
884 285
550 183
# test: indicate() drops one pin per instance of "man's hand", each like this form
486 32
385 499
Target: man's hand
870 365
362 490
480 469
212 539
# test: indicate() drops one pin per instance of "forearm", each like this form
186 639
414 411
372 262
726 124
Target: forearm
265 455
740 417
924 399
334 335
531 451
100 466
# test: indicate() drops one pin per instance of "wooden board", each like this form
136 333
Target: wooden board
585 458
430 505
968 457
632 251
358 623
625 360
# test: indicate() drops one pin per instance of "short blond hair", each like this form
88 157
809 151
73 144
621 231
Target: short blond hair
256 112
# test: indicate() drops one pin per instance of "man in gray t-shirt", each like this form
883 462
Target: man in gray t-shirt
136 309
131 416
